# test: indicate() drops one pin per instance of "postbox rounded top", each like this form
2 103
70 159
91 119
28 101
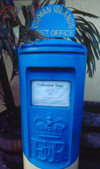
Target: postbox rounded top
53 45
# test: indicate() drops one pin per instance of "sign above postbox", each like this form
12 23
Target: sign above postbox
54 21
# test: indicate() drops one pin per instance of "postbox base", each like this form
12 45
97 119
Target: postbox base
28 165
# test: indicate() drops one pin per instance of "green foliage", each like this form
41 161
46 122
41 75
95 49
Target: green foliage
87 34
13 33
1 49
86 31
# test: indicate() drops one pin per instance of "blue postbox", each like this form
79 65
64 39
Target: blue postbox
52 77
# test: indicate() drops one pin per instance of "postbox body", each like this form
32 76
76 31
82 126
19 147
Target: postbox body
52 78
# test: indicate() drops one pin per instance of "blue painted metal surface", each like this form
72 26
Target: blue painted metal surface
51 135
54 21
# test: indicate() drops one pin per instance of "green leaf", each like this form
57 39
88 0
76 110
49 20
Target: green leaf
8 47
16 33
25 14
32 12
37 4
61 2
13 55
92 27
44 3
94 39
1 46
78 12
90 58
91 39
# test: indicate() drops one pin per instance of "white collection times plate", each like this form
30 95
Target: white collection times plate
51 93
